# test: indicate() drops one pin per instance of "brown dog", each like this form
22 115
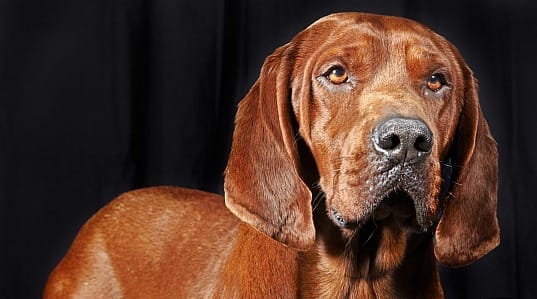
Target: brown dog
333 183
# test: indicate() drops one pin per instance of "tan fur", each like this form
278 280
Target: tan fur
296 134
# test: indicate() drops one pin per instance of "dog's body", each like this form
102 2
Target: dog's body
333 183
141 245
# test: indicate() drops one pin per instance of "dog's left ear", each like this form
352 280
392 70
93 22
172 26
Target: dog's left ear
468 228
262 183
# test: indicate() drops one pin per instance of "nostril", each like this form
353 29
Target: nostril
389 141
423 144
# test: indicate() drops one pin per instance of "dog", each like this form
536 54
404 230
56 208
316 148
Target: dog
360 158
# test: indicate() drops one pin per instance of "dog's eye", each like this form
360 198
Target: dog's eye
337 75
436 82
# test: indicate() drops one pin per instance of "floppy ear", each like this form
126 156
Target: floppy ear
468 228
262 184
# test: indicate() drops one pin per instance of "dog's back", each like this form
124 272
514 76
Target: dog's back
147 236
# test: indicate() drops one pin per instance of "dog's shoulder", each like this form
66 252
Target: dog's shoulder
162 201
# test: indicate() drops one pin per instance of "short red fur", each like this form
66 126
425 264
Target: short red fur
302 214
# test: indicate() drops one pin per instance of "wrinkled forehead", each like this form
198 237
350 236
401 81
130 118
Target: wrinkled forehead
372 36
378 26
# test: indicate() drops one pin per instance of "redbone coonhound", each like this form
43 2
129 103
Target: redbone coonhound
342 153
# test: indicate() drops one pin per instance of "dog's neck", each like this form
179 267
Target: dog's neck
345 265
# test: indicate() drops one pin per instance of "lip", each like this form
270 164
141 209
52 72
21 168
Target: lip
404 195
408 183
397 207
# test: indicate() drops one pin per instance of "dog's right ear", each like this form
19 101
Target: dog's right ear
262 183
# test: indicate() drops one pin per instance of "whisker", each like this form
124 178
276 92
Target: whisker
450 164
348 243
297 137
317 200
372 233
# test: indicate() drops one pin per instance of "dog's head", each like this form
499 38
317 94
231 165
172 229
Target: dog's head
382 103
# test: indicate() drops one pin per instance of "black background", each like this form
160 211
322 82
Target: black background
98 97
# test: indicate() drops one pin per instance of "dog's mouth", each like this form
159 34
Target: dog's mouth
397 208
379 240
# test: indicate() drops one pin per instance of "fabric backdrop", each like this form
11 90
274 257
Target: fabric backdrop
98 97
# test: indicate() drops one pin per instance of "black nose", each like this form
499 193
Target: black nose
403 140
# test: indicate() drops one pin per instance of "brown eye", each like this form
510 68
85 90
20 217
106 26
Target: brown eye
337 75
435 82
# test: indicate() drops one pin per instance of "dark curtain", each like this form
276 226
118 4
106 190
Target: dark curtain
98 97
